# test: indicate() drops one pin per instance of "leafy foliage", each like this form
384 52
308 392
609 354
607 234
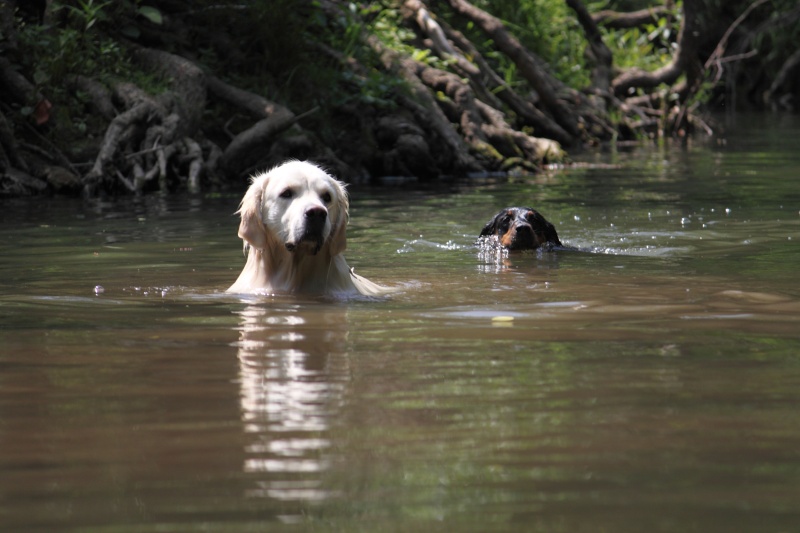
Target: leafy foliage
648 47
547 28
79 39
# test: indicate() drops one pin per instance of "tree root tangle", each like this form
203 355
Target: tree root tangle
203 129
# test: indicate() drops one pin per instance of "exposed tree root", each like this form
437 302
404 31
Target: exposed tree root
450 44
551 91
452 115
150 142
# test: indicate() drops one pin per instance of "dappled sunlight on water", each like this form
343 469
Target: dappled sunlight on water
644 376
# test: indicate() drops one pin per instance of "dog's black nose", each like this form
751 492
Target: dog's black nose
315 218
316 213
524 238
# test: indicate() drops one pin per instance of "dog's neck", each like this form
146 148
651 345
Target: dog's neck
281 271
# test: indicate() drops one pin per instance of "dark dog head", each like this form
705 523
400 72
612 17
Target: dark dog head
521 228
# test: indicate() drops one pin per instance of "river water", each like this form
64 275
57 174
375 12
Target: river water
648 380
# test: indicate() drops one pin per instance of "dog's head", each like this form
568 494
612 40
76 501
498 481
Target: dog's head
297 206
521 228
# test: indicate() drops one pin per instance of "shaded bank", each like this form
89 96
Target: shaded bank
109 99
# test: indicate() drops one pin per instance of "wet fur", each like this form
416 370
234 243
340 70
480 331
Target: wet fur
521 228
293 224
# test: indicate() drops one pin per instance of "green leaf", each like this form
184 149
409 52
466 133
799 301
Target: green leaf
420 55
152 14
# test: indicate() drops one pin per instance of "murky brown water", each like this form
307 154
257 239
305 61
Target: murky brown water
649 382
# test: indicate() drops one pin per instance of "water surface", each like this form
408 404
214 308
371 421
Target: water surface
647 381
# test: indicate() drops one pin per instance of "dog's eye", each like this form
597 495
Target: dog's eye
326 197
287 193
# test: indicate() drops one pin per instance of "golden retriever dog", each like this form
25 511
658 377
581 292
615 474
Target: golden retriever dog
293 224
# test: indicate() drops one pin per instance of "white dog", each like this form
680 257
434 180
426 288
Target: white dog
293 225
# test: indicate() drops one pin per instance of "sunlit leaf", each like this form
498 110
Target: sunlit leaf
152 14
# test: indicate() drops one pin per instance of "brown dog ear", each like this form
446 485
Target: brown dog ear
251 227
338 237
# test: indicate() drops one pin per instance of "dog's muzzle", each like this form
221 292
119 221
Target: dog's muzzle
313 229
522 236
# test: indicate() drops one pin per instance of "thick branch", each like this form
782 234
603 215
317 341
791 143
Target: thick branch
683 61
118 128
254 104
426 107
486 83
531 67
511 142
634 19
248 146
195 156
452 86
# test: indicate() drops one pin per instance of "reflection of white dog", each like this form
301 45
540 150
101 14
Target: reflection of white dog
294 375
294 219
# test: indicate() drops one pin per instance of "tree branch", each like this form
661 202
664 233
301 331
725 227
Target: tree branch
622 21
531 67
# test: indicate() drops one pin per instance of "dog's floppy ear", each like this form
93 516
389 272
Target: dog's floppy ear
548 229
490 228
551 235
251 227
338 237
